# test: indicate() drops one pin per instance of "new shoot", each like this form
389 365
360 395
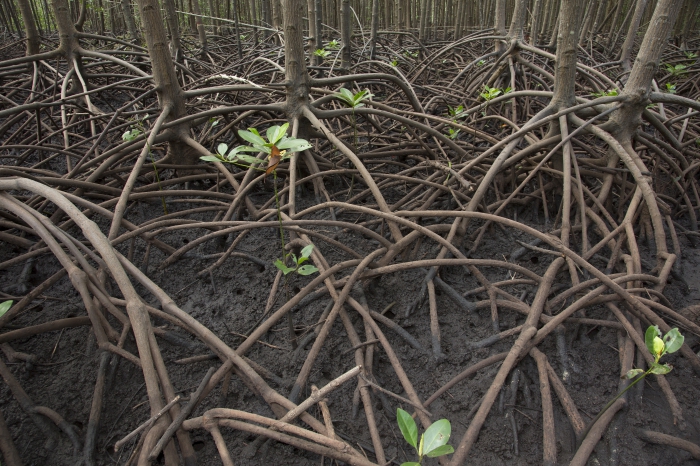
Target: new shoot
433 442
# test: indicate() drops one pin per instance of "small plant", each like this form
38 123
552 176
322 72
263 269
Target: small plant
481 63
131 134
353 101
213 121
433 442
322 53
690 55
452 133
334 44
4 307
490 93
608 93
658 347
670 88
243 37
409 54
394 63
297 262
677 70
456 111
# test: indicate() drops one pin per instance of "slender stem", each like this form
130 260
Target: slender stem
610 403
279 217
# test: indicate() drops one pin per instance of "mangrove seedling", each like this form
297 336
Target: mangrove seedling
323 53
334 44
670 88
609 93
452 133
353 101
690 55
676 70
456 111
658 347
297 262
433 442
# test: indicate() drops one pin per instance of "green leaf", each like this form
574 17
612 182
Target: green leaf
4 307
441 451
410 463
634 373
222 148
420 446
408 427
307 270
651 333
251 137
280 265
673 340
306 252
293 144
212 158
249 159
660 369
437 435
275 133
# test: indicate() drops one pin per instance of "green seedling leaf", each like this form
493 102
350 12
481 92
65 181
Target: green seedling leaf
307 270
293 145
212 158
651 333
222 149
285 270
408 427
306 252
275 133
673 340
634 373
252 137
441 451
437 435
250 160
660 369
4 307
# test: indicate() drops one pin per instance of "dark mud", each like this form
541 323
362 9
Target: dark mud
64 375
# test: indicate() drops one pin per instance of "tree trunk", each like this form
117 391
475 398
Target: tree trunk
174 27
631 35
33 40
130 21
311 12
534 27
346 36
567 45
499 23
624 122
518 21
296 74
375 26
199 21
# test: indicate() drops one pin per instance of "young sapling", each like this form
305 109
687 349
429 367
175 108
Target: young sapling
433 443
658 347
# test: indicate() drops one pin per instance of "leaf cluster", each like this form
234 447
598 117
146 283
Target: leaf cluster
298 261
657 346
433 442
353 100
490 93
276 138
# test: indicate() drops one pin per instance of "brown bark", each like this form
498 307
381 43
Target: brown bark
295 65
130 21
33 39
346 36
632 34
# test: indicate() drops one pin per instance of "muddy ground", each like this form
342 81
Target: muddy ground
64 376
